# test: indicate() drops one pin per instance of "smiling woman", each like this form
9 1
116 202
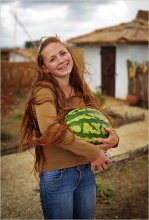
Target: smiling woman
62 159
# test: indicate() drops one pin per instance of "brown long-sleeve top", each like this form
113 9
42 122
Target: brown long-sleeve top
62 155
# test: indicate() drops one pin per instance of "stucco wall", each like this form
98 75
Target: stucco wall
123 53
93 65
17 58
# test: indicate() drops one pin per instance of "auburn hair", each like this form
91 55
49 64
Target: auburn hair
30 135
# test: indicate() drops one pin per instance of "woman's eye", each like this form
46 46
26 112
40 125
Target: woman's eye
63 53
52 60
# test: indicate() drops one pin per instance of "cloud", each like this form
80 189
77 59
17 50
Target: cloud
114 14
66 18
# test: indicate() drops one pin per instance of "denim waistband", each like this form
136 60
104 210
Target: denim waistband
80 166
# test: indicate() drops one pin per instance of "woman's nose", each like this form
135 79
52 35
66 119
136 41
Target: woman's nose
60 59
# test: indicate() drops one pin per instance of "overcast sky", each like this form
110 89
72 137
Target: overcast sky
23 20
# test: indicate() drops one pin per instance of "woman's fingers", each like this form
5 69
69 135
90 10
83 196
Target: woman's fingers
102 162
100 167
103 143
110 141
99 140
104 166
108 161
110 131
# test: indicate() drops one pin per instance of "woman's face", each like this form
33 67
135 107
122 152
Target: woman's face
57 60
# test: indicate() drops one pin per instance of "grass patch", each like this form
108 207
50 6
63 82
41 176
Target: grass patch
10 122
5 136
105 193
18 116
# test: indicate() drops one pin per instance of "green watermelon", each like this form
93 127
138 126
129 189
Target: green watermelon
88 124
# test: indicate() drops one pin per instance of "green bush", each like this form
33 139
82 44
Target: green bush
19 92
105 194
5 136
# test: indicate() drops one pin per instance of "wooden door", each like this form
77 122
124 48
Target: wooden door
108 70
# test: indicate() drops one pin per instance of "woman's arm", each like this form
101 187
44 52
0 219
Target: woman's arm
105 144
46 113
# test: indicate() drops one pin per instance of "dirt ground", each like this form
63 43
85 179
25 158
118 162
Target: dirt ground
129 181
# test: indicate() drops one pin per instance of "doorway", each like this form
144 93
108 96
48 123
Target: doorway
108 70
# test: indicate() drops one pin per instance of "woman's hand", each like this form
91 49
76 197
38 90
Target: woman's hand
111 141
102 162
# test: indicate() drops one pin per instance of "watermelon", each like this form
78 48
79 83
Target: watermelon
88 124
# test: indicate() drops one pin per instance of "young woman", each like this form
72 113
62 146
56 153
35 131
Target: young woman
63 161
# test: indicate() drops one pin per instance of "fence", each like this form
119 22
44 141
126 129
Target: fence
16 78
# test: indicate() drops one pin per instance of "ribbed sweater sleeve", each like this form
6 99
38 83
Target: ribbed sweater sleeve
45 114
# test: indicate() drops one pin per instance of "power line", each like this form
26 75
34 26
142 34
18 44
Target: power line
20 23
24 29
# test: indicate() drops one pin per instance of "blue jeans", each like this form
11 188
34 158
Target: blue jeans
68 193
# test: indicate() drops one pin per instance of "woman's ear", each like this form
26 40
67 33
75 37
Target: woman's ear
44 68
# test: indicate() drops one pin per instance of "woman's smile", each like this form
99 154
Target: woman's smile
63 67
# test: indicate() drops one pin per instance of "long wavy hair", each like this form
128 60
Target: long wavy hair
29 131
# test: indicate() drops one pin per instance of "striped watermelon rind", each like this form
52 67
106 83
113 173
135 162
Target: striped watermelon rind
88 124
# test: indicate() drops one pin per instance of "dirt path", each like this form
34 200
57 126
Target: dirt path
128 179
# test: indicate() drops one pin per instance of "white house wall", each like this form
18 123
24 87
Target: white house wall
93 65
92 56
17 58
121 82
